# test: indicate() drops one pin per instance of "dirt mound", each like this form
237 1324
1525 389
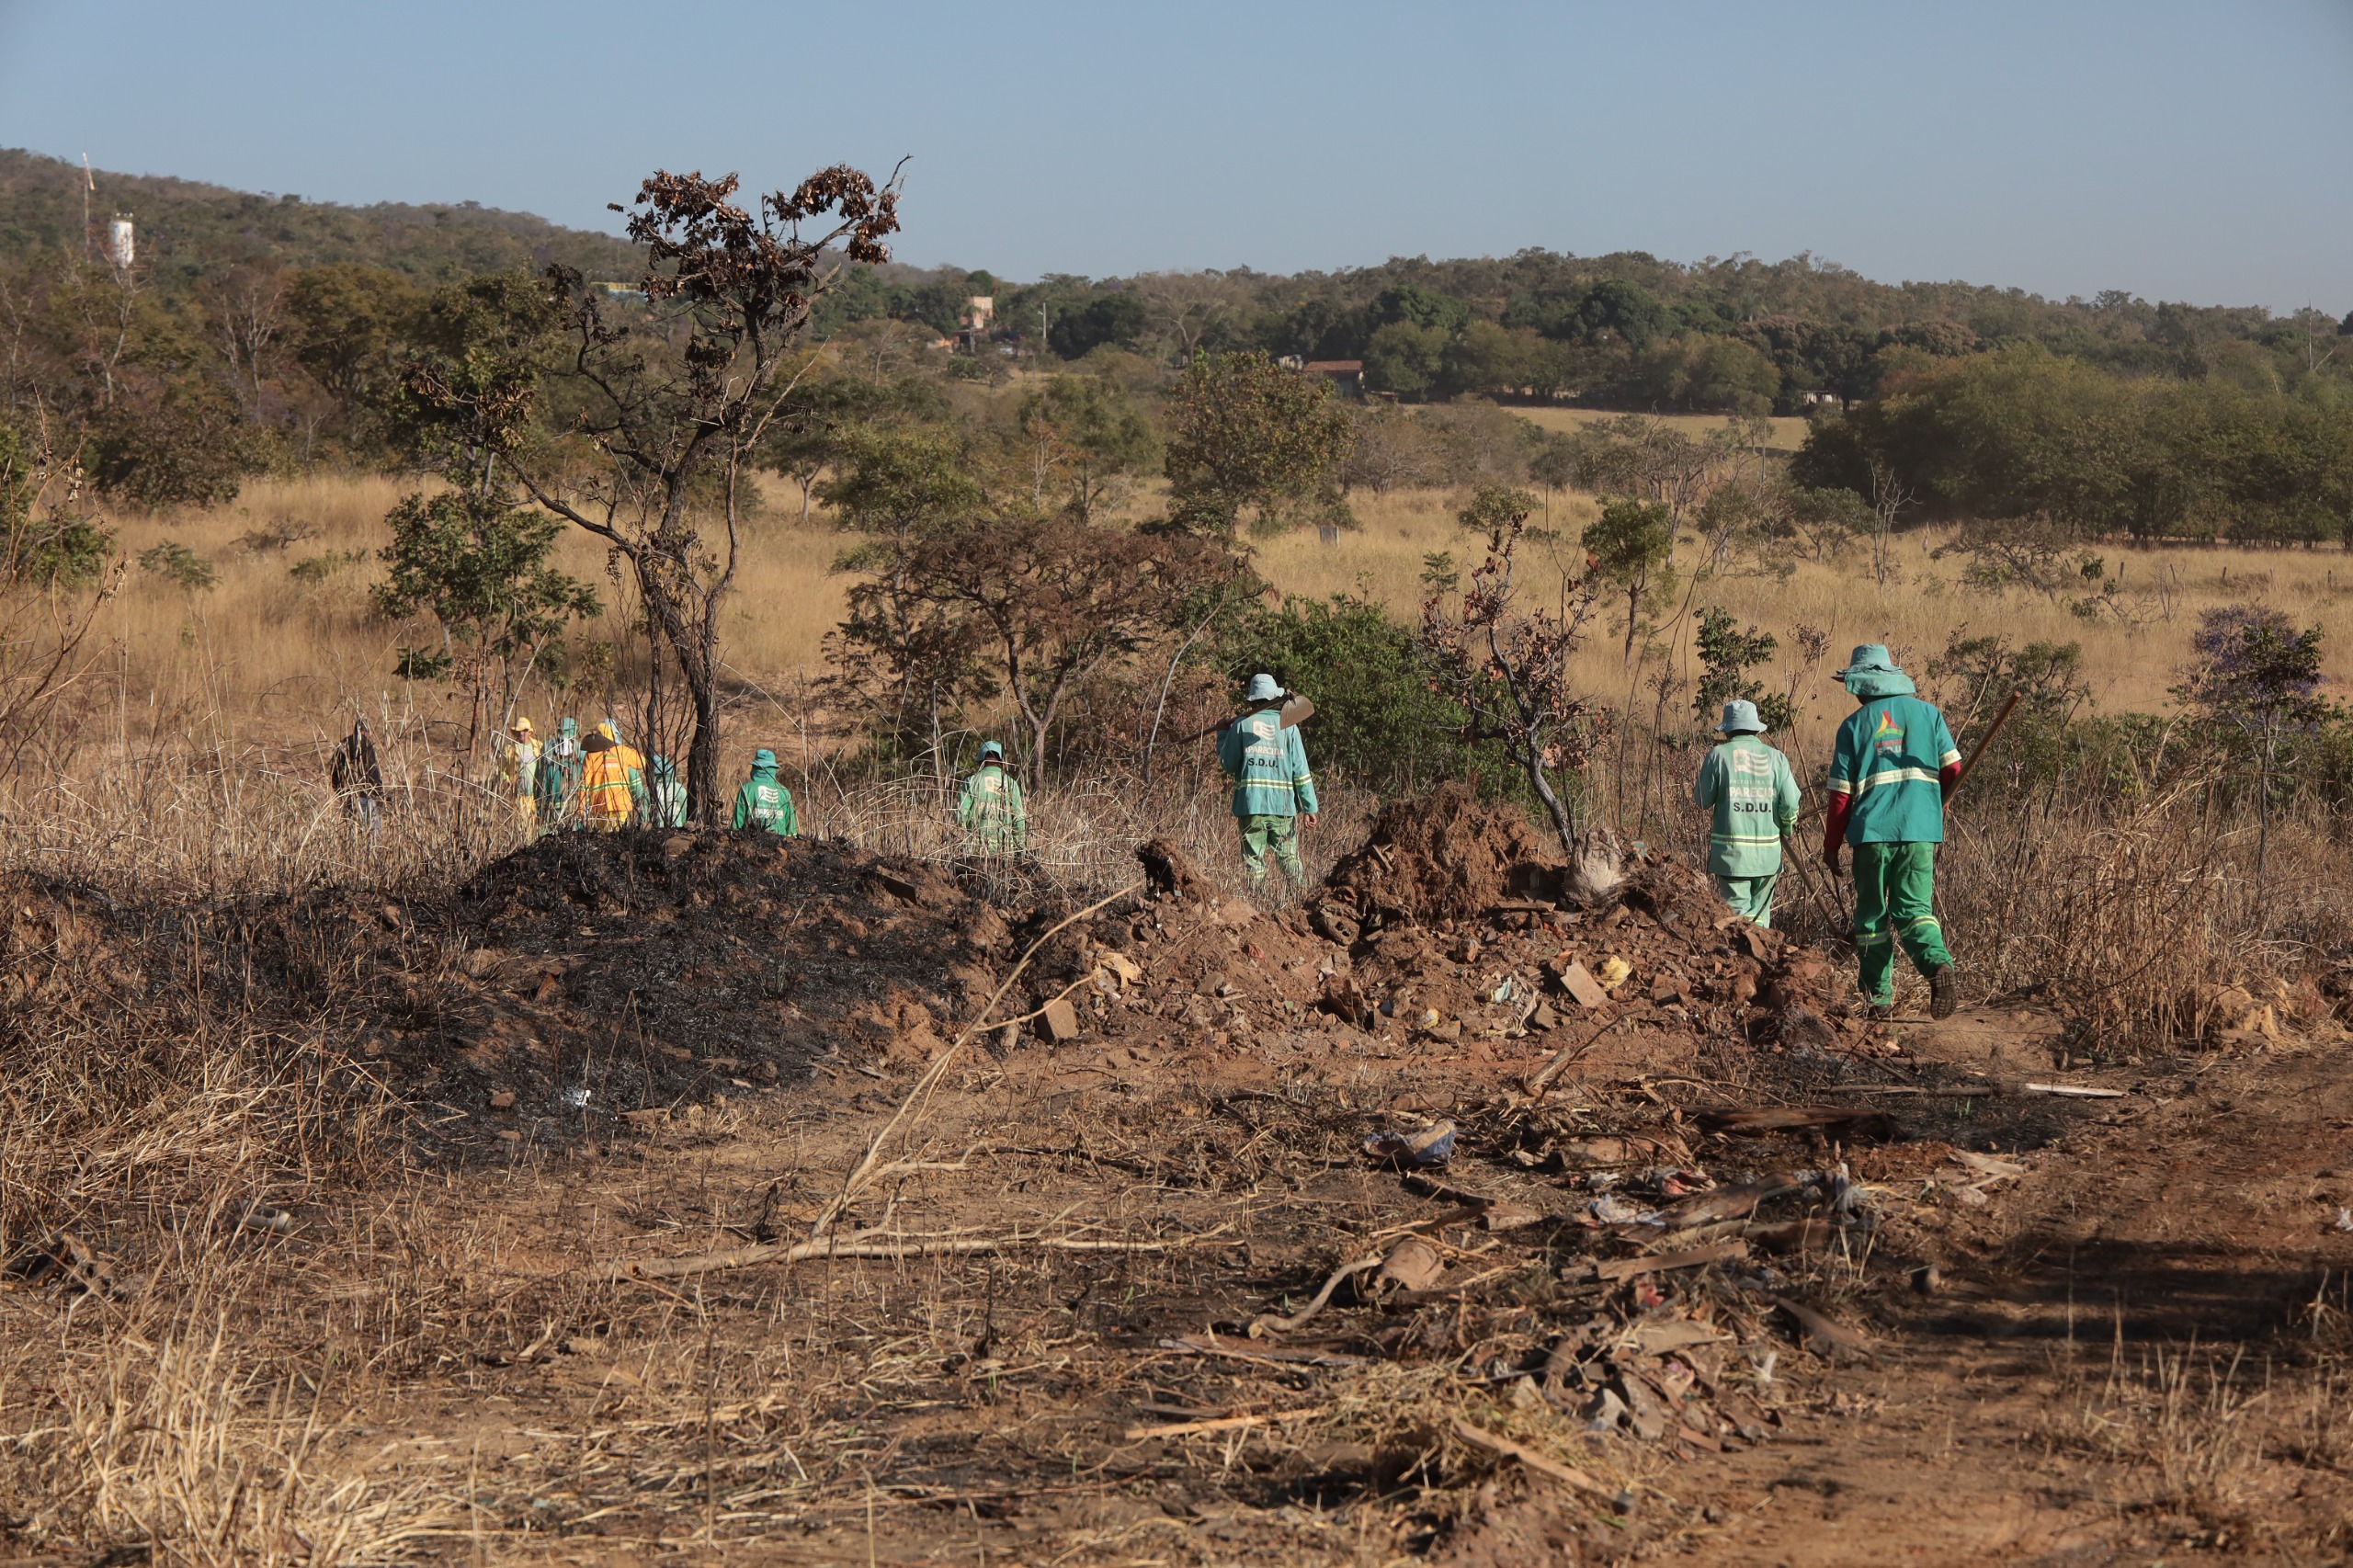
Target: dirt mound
1443 856
1464 963
1667 958
643 968
649 967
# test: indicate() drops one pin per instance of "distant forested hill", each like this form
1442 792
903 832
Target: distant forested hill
186 230
266 332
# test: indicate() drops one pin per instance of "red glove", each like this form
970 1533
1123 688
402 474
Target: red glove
1833 829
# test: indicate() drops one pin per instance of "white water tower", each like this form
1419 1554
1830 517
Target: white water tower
121 249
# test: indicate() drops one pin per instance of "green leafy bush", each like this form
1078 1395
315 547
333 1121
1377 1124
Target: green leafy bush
1377 720
180 566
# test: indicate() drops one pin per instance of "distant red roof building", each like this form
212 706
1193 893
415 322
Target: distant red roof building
1347 376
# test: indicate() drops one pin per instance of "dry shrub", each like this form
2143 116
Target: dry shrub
100 1119
2124 922
155 1414
2221 1450
184 821
144 1121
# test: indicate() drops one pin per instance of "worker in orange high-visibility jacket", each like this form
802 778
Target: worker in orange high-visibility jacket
609 788
633 761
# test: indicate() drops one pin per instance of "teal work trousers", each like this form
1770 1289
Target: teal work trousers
1750 897
1895 887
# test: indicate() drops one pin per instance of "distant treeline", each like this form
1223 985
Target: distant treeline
259 333
1628 330
2022 434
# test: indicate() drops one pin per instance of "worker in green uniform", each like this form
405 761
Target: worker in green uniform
1752 796
991 811
762 801
665 797
558 781
1890 772
1274 795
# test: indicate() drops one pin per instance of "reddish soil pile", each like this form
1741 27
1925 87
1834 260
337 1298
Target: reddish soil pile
1427 939
644 967
1446 855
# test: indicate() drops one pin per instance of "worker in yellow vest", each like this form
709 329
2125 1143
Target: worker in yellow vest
519 771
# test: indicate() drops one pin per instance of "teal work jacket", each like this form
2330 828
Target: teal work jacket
1754 796
764 801
991 811
1889 754
1268 766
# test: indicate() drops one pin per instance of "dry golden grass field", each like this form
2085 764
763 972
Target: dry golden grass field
267 656
1789 434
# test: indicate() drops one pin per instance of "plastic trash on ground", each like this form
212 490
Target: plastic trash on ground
1433 1145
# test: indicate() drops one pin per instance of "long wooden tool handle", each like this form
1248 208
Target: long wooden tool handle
1985 740
1841 921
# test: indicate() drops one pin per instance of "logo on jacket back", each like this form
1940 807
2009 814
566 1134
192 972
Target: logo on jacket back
1889 736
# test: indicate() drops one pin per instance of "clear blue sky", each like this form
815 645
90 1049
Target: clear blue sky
2191 150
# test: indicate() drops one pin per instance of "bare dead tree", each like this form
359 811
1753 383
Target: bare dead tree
1183 305
57 569
1889 498
249 314
1506 667
668 401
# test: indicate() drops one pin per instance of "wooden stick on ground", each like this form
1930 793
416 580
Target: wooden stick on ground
878 1243
863 1173
1663 1262
1221 1423
1534 1083
1268 1323
1542 1464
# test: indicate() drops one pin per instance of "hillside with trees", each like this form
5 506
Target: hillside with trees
190 232
261 333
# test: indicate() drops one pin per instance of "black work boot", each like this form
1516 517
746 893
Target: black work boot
1943 997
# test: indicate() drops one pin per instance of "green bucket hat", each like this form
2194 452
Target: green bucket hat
764 758
1869 658
1740 718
